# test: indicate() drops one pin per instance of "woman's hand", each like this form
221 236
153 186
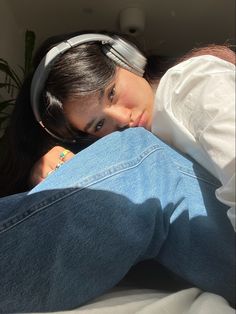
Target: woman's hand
48 163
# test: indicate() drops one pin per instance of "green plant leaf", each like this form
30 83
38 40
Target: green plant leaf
9 72
12 80
6 103
7 85
4 114
17 79
3 119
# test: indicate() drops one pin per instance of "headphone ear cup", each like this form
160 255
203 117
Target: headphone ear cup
125 55
119 61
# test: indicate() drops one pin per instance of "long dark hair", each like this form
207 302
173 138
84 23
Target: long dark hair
24 142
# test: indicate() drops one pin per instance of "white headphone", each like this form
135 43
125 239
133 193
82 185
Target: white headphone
116 48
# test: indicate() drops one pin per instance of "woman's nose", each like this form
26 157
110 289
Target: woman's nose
120 115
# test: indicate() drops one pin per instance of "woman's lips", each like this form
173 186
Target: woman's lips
142 121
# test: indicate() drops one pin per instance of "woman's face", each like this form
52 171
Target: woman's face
126 102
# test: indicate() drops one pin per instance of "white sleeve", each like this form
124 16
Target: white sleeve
195 112
218 140
217 135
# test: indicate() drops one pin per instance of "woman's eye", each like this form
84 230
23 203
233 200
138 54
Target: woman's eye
112 93
99 125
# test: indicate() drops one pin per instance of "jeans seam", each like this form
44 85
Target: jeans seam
91 180
122 166
185 172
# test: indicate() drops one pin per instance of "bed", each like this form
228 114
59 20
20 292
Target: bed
143 291
148 301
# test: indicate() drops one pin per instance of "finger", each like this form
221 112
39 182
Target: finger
65 155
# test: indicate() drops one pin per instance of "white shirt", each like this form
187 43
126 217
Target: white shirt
194 111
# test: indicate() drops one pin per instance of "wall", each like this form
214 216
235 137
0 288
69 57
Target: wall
172 26
11 35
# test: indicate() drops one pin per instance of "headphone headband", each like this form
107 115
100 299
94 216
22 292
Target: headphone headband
117 49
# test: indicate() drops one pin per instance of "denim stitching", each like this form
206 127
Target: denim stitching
116 169
202 178
91 180
9 223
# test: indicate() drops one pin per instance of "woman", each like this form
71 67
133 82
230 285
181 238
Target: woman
85 95
127 198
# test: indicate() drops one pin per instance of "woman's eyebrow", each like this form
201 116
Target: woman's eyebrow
101 95
91 122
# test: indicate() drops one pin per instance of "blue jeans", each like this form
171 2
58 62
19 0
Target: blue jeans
127 198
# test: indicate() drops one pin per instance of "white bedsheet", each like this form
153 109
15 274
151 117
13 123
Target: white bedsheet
147 301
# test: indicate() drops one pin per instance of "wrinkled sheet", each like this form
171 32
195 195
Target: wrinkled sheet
148 301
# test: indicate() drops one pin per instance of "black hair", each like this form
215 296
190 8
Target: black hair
22 144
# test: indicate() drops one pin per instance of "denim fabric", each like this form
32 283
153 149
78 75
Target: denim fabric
127 198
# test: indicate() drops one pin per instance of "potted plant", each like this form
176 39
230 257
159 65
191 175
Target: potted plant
12 80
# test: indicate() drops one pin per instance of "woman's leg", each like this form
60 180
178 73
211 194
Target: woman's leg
127 198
